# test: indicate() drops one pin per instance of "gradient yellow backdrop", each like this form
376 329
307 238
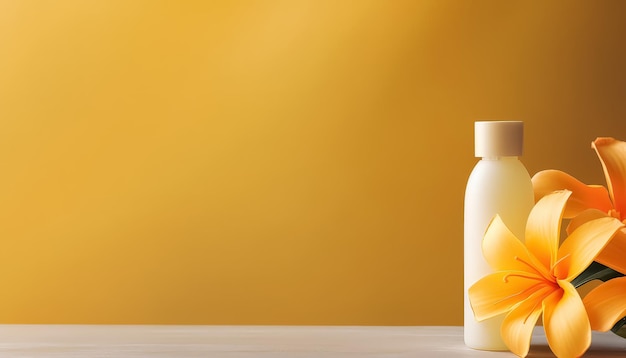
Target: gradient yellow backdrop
275 162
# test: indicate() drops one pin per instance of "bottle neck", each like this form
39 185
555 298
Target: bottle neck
500 158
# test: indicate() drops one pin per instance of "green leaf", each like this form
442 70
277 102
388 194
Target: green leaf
595 271
620 328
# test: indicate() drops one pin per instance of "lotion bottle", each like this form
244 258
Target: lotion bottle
499 184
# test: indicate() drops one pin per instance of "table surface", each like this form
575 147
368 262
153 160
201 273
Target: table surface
260 341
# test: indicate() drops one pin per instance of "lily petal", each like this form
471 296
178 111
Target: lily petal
566 323
614 253
606 304
583 217
498 292
503 251
583 197
612 154
544 227
583 245
517 327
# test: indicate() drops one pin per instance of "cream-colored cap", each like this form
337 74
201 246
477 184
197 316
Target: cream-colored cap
498 138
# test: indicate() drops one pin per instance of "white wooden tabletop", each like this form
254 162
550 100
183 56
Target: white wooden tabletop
259 341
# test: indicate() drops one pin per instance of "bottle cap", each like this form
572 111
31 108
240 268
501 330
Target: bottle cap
498 138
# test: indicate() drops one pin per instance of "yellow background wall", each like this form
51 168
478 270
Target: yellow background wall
275 162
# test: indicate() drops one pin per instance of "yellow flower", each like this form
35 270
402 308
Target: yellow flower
534 278
592 201
606 304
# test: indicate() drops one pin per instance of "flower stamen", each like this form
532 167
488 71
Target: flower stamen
614 213
556 264
506 277
539 272
531 288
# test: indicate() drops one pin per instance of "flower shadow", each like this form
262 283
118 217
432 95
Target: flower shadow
604 344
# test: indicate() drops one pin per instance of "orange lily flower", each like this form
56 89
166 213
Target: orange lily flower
533 279
592 201
606 304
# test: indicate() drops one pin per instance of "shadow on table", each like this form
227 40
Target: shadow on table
545 352
602 345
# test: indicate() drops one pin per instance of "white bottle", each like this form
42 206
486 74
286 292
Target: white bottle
499 184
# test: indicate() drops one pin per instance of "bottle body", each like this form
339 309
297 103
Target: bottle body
498 185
